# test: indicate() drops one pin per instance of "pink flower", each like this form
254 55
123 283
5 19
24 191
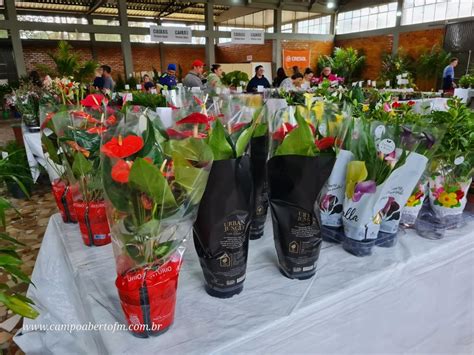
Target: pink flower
364 187
386 107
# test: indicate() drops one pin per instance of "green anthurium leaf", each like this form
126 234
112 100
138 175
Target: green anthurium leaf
81 165
149 140
118 194
9 260
51 149
192 149
218 143
192 179
261 130
89 141
299 141
243 141
147 178
18 306
150 228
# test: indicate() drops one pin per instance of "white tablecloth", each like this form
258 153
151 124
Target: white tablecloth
414 298
34 151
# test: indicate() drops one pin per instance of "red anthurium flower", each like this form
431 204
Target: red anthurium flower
97 130
146 202
198 100
85 116
78 148
237 127
119 147
111 120
121 171
283 131
48 118
173 107
194 118
396 104
459 194
325 143
92 100
411 103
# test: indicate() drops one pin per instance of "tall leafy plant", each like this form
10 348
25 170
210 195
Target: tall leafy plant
345 62
431 63
394 65
68 64
235 78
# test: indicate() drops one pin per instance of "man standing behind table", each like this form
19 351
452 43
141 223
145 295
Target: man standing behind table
448 76
194 78
168 80
106 74
258 80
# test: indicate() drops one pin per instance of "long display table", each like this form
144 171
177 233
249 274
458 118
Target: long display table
414 298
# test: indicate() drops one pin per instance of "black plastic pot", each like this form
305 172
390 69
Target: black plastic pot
332 234
294 184
258 167
386 240
16 191
221 230
358 247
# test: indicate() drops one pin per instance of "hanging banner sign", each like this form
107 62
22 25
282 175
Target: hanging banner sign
247 37
171 34
296 57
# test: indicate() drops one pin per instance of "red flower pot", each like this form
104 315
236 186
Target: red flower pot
93 222
63 195
148 297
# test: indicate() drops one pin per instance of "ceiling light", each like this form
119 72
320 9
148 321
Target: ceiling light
330 5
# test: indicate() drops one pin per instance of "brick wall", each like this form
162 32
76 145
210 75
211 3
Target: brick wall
316 48
232 53
372 48
145 57
414 43
183 55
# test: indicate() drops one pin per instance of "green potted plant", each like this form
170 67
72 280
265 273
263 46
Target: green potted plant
430 65
10 267
15 172
345 62
235 78
467 81
395 66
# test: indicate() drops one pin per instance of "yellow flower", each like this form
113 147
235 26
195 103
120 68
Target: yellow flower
356 172
412 201
448 199
339 118
308 99
365 108
318 109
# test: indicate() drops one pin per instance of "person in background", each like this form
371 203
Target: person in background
281 75
214 78
258 80
326 74
296 69
147 84
292 84
106 74
307 76
168 79
448 76
194 78
98 83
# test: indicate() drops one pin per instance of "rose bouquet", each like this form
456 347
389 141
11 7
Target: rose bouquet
221 231
153 185
301 157
378 183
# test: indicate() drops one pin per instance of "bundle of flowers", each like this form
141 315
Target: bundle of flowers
301 157
384 172
153 184
224 264
27 100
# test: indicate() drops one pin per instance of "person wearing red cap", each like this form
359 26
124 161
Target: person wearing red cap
194 78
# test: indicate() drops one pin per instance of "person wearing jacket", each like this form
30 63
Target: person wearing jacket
258 80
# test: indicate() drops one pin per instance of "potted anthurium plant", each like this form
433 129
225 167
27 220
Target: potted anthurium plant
153 185
378 183
221 231
452 170
81 141
301 157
